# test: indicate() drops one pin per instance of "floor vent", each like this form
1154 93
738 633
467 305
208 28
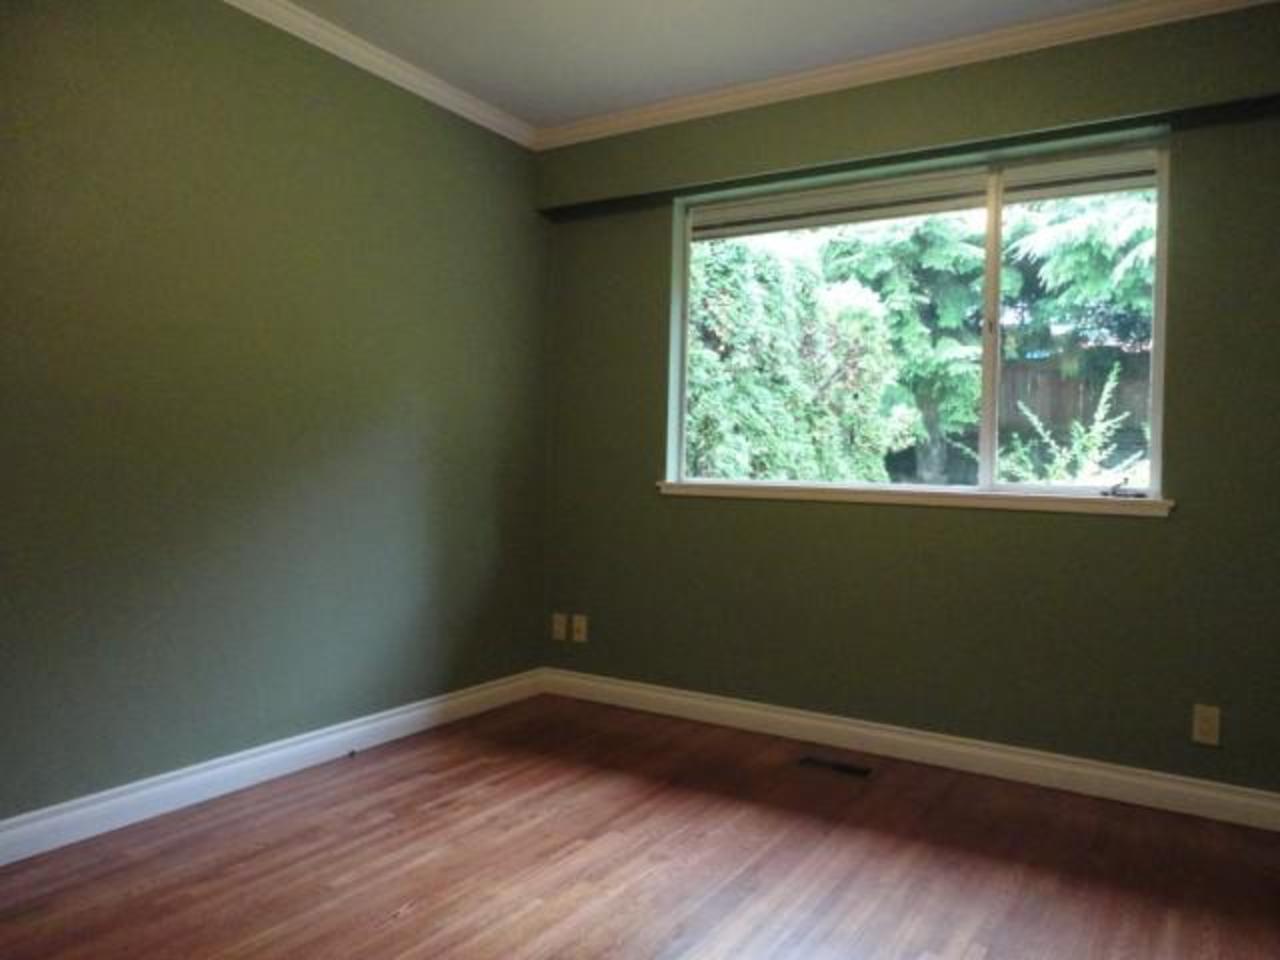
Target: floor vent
848 769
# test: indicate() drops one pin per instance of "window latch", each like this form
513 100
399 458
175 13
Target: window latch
1122 491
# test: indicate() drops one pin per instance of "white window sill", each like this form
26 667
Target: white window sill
920 496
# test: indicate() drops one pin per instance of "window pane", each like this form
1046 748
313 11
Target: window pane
848 353
1077 291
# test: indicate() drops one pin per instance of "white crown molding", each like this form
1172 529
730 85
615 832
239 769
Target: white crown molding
1123 17
50 827
342 43
1148 788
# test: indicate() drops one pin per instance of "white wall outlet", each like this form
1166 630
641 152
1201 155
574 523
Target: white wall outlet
1206 725
579 628
560 627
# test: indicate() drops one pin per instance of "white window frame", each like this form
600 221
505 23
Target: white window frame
871 197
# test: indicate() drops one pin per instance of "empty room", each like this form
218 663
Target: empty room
696 479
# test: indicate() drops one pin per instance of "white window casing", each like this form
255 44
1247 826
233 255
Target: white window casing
990 186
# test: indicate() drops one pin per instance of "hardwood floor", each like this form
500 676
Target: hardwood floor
560 829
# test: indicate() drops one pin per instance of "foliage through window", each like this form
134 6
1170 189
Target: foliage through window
986 330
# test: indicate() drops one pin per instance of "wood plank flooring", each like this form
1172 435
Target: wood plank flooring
560 829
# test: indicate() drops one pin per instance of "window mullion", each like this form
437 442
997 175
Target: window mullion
678 397
991 334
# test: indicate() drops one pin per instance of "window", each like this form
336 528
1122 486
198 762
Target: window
987 336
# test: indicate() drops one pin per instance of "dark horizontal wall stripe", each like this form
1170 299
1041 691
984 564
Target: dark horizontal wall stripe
271 416
1144 73
1087 135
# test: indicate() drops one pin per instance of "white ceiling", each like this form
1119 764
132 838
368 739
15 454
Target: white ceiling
550 62
546 73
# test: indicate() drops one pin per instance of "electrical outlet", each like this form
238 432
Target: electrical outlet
560 627
1206 725
579 628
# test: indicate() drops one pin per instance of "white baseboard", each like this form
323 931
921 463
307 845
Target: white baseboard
46 829
1149 788
51 827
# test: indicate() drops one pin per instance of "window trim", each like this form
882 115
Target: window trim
920 495
1021 177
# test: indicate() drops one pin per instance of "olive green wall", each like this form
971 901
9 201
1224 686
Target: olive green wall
278 370
271 407
1085 635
